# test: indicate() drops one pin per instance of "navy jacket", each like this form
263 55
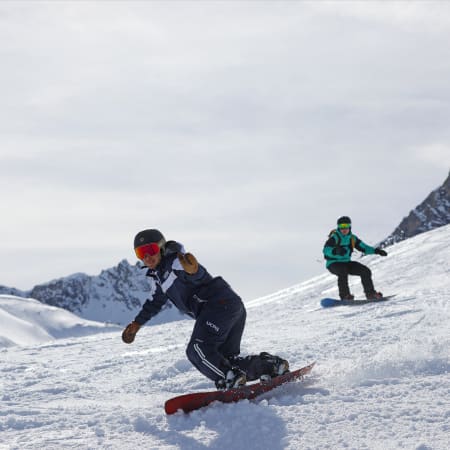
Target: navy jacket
189 293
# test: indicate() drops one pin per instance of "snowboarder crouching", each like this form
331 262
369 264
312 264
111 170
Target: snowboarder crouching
338 252
218 311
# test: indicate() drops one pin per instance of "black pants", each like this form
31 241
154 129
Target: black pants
344 269
215 343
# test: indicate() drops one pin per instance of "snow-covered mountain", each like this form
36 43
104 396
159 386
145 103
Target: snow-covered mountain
382 378
27 322
432 213
115 296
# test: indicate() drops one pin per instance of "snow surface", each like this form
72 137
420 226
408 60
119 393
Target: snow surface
381 381
25 321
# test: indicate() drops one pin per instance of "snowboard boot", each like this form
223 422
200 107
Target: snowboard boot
347 297
234 378
279 365
265 379
374 295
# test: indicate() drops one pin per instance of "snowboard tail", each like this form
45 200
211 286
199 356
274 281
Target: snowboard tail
330 302
192 402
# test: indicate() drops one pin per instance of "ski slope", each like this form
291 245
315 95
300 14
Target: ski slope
381 381
25 321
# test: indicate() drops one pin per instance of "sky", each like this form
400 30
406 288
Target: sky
241 129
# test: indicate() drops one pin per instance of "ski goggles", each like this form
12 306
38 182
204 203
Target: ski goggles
345 226
151 249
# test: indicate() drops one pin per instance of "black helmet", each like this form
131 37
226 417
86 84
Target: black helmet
149 236
344 219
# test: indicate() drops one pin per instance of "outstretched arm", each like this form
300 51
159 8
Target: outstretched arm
150 308
367 249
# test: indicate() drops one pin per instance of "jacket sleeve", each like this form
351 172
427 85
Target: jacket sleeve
328 248
362 247
152 306
177 268
196 278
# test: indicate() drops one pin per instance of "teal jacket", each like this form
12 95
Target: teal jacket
348 242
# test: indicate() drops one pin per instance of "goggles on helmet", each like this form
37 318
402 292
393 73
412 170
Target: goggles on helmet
147 249
344 226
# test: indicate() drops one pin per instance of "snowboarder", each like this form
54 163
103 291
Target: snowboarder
338 252
218 311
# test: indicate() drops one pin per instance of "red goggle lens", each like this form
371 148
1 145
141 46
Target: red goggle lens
147 249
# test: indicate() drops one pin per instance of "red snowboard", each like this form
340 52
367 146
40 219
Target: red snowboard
191 402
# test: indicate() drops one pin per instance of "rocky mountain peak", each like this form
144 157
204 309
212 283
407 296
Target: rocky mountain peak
432 213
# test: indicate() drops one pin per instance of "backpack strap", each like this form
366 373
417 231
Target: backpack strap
335 233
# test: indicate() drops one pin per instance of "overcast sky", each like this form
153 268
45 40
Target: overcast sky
241 129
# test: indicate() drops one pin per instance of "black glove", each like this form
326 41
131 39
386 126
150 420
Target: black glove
380 251
342 251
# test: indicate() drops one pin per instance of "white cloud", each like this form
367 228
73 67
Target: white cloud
436 154
431 16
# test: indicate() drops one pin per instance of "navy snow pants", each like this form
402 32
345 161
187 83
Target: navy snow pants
215 343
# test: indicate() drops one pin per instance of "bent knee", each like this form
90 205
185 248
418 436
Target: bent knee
191 354
196 352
